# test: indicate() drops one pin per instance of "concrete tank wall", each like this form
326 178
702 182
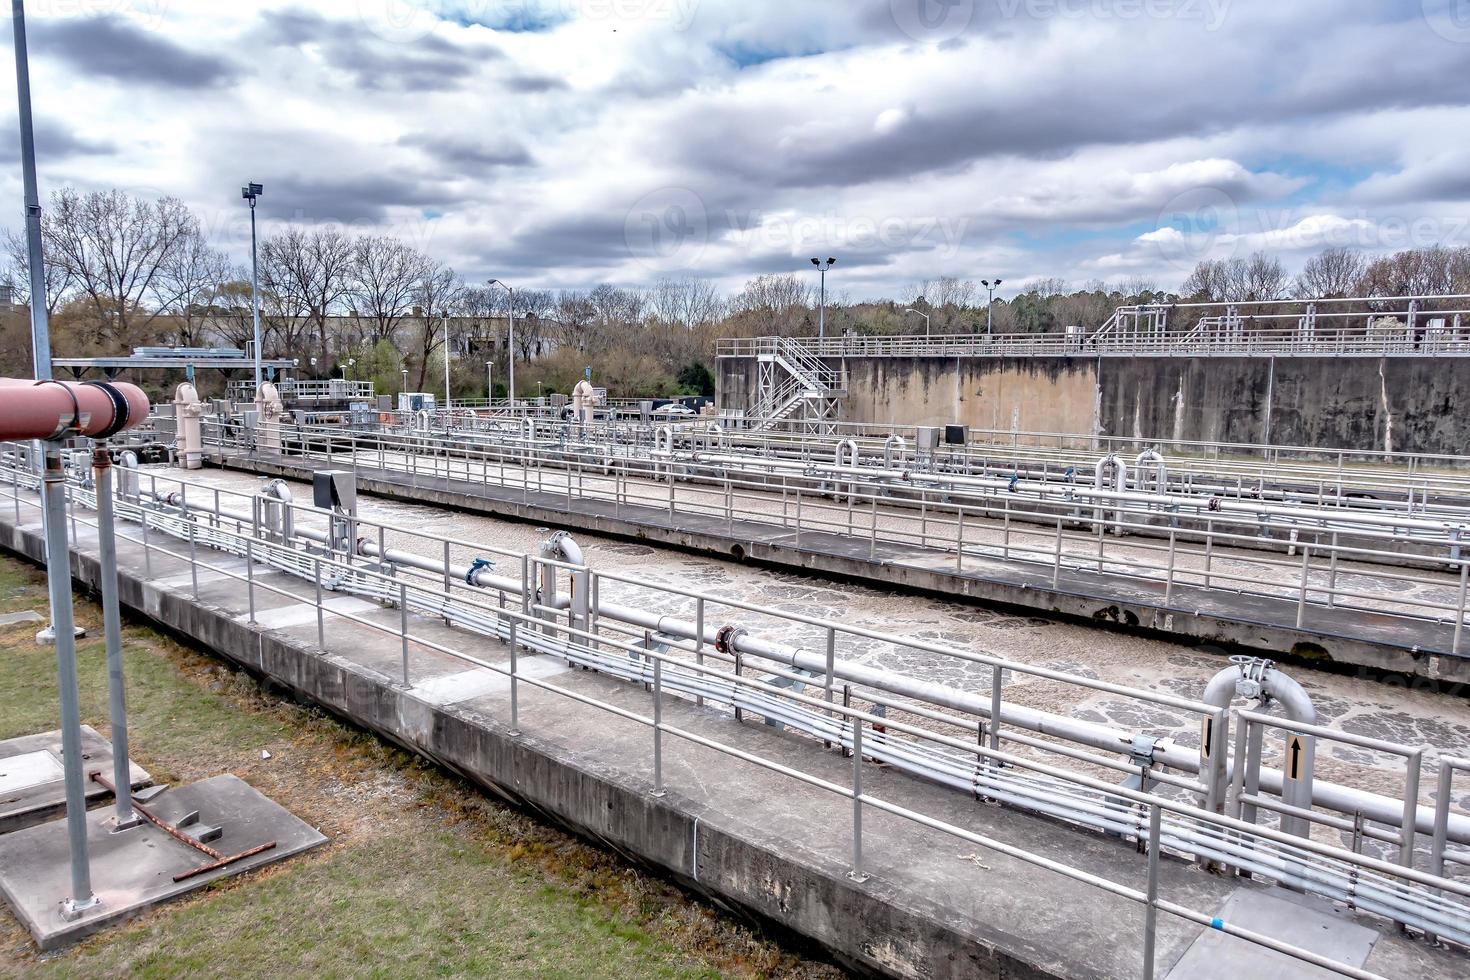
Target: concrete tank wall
1397 404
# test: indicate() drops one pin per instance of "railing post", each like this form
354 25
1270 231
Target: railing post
658 724
147 549
699 643
1151 906
193 559
250 576
856 874
1460 608
321 627
1169 580
959 549
997 680
515 705
1056 568
1414 765
403 627
1301 602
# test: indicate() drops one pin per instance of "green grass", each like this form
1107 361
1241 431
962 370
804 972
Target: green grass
423 876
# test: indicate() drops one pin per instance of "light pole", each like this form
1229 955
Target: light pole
489 383
250 192
822 303
53 520
404 372
926 320
349 363
510 354
990 287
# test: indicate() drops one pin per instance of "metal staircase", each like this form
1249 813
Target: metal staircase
794 389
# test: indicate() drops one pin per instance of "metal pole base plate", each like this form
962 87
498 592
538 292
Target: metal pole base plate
73 909
47 636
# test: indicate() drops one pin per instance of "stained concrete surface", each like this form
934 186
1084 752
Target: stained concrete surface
933 905
1308 923
132 870
31 786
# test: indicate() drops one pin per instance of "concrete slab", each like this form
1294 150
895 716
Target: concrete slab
31 788
16 618
1312 925
470 684
133 870
285 617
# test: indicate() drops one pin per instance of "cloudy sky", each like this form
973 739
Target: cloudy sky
562 143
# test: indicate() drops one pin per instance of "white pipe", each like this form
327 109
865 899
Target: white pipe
893 442
1161 472
1256 679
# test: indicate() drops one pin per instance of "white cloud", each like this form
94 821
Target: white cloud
1024 147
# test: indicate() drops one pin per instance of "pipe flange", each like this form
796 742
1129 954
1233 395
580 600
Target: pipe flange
726 638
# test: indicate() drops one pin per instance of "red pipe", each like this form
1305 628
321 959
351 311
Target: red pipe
59 409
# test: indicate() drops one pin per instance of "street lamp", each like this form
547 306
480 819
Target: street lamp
511 393
990 287
822 304
404 372
926 320
489 384
349 363
250 192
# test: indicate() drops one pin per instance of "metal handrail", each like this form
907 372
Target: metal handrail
1316 570
1186 826
1377 326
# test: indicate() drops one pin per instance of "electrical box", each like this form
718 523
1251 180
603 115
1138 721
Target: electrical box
927 437
335 490
954 435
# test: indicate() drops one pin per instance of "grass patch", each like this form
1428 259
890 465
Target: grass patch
422 875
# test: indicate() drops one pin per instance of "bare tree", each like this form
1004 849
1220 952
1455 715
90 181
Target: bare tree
438 295
385 278
59 281
1332 274
575 319
305 276
114 247
188 286
1237 280
689 303
1262 277
775 304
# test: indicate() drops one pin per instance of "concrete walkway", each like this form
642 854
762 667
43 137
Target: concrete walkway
933 906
